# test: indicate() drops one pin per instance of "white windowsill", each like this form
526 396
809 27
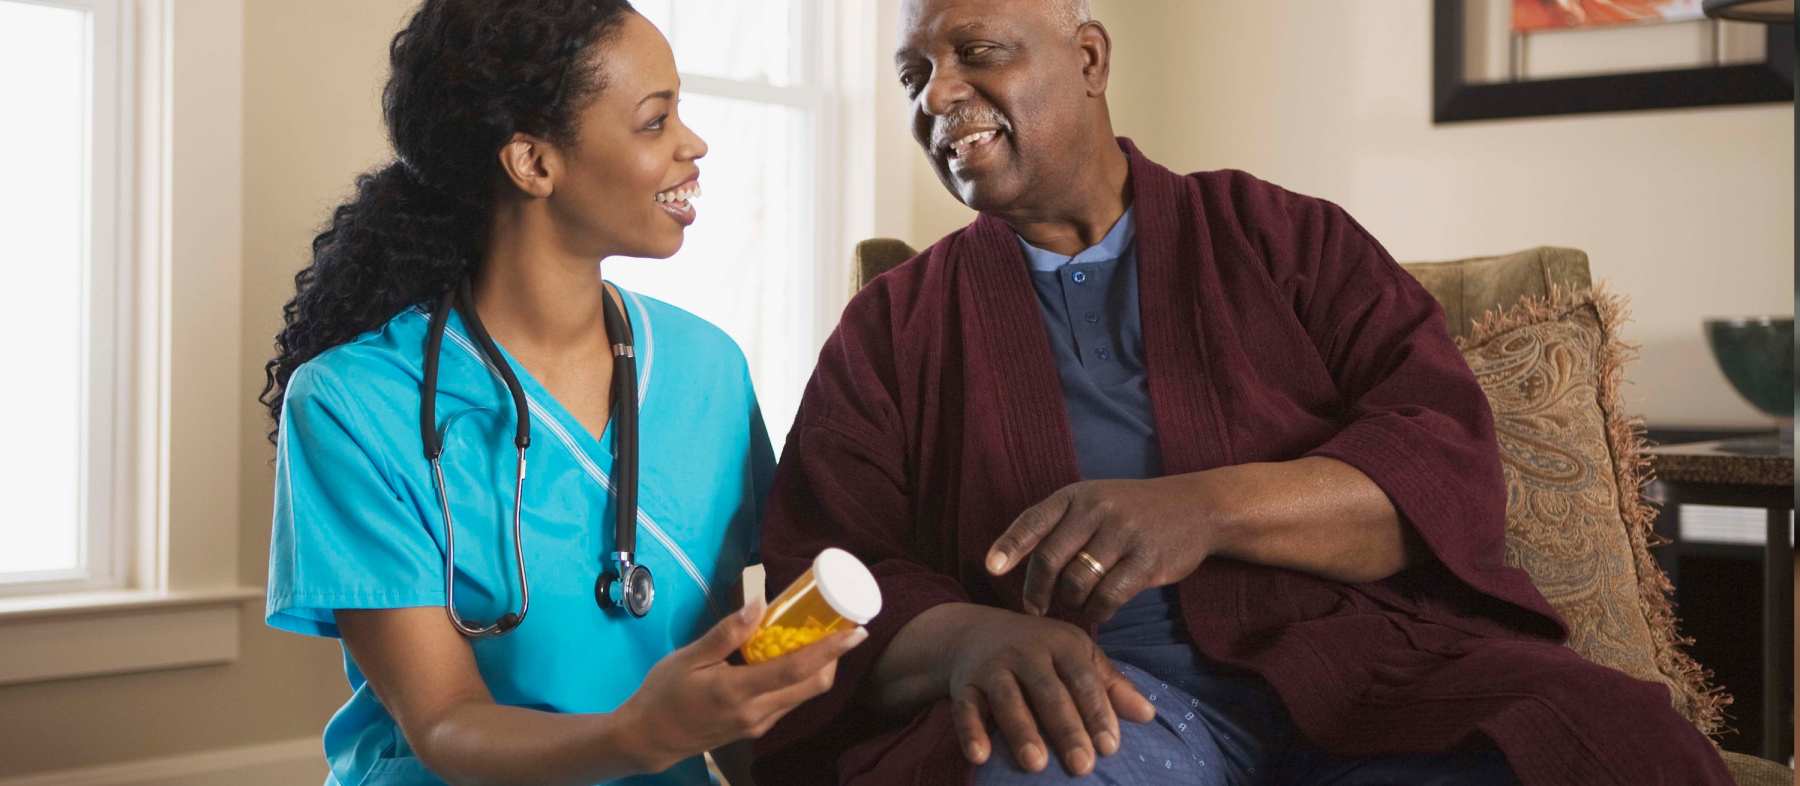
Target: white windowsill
116 601
50 637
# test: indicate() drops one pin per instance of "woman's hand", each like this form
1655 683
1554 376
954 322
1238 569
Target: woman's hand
1032 674
693 701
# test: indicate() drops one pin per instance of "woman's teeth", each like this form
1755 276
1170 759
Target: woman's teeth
963 145
681 194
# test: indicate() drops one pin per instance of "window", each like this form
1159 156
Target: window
60 242
113 270
760 262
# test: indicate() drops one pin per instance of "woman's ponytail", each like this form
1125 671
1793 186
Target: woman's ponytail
465 76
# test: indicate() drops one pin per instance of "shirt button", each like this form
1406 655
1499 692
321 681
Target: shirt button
1102 354
1091 317
1080 277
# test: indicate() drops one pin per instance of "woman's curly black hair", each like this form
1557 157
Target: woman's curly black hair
465 76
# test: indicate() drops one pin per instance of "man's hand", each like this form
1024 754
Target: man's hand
1036 675
1143 533
1314 515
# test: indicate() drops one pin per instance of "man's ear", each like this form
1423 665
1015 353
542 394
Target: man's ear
1096 56
531 164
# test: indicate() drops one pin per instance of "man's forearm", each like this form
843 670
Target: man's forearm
1314 515
914 670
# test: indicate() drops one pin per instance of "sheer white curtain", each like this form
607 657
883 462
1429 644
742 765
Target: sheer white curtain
750 263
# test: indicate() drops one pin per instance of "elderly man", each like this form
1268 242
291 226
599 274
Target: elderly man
1166 479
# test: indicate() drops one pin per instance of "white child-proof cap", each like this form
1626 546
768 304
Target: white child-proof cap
847 585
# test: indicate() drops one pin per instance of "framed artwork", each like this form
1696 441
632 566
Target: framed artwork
1495 59
1541 15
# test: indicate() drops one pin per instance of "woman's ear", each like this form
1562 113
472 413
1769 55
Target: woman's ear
531 165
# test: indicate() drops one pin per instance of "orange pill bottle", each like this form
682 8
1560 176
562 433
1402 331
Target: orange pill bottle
837 592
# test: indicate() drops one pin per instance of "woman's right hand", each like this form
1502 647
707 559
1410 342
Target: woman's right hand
693 701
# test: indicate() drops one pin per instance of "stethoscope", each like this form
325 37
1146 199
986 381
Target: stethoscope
623 584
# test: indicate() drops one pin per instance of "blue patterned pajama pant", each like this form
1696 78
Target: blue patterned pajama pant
1216 726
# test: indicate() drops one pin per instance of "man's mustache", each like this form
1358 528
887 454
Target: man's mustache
950 127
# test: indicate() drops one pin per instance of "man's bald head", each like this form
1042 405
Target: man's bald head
1009 96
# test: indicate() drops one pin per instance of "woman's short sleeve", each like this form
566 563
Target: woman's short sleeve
343 535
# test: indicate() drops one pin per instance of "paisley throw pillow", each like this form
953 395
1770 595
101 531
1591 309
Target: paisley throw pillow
1576 520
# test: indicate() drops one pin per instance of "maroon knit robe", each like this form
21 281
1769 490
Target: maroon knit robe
1275 328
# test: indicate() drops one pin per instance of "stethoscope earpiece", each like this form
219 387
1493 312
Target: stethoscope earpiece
625 584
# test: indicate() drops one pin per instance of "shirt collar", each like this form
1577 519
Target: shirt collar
1109 248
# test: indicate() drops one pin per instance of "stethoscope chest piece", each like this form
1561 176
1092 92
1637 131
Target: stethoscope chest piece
625 585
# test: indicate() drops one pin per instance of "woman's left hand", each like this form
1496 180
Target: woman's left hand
1143 533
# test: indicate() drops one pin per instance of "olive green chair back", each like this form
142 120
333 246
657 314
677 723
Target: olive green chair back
1469 288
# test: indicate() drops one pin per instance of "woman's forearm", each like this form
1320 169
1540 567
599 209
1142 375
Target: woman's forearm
480 743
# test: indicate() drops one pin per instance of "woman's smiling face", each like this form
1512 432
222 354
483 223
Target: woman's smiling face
629 175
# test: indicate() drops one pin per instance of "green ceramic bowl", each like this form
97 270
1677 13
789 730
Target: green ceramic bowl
1757 355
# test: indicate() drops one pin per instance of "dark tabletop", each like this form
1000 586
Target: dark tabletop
1738 462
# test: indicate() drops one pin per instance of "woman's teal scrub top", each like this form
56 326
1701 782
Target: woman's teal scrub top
357 522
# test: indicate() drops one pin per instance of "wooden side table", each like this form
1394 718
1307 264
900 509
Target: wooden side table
1751 474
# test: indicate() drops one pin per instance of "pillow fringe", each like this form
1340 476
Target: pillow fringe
1704 701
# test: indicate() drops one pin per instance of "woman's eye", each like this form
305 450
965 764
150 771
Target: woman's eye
657 124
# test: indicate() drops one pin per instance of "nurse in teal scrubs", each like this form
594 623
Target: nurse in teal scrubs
535 138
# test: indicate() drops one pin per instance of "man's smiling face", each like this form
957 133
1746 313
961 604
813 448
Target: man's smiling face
998 95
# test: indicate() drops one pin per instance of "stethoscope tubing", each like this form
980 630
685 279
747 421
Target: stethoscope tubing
625 442
618 327
506 622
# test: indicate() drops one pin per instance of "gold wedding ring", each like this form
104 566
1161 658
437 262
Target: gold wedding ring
1091 563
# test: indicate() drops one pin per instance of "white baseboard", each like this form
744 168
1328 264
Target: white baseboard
298 762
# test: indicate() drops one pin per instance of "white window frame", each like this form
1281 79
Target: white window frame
105 515
169 452
828 86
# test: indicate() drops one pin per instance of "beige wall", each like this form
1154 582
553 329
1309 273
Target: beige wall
313 71
312 107
1690 213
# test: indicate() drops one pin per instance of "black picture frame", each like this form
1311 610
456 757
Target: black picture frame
1455 100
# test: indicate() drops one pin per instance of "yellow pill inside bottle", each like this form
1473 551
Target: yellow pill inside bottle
837 592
